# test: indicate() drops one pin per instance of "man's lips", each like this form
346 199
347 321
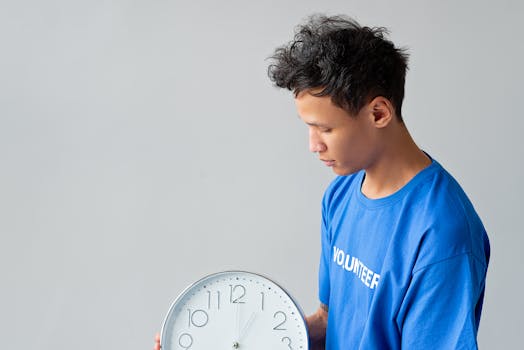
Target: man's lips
328 162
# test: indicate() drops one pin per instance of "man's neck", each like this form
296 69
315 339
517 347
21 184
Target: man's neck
397 164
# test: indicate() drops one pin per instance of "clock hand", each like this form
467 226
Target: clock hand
237 322
236 343
247 325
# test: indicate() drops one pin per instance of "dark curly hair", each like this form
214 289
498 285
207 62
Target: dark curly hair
350 63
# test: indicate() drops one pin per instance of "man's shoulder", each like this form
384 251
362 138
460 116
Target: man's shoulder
449 224
441 196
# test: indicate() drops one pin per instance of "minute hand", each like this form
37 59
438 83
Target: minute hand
247 325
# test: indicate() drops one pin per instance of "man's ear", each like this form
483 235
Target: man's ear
382 111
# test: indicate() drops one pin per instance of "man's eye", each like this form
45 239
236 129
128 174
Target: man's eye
325 130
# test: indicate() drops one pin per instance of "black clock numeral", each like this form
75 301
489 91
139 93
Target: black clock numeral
209 300
279 327
237 292
185 341
197 318
287 340
262 301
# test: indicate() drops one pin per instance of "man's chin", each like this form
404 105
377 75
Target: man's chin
344 171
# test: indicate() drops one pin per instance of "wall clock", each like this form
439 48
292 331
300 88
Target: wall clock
234 310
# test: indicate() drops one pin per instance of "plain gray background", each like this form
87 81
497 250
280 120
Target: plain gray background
142 147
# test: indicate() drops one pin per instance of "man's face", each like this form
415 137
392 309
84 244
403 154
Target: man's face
343 142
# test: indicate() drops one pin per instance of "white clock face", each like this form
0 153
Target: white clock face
234 310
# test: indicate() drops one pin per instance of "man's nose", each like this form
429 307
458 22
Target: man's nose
315 142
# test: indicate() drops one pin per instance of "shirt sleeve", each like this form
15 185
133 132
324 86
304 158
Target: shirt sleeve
323 271
441 309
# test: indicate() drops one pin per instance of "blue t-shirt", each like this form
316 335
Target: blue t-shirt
405 271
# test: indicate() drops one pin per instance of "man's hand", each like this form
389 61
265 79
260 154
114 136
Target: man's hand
157 342
317 324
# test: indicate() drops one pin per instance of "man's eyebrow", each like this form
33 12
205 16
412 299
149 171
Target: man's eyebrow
317 124
309 123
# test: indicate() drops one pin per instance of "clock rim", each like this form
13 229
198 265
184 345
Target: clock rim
215 274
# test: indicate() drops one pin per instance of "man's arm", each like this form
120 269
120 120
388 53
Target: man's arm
317 324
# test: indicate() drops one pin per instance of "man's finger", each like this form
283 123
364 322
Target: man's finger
157 341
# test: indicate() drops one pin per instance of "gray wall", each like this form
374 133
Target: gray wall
142 147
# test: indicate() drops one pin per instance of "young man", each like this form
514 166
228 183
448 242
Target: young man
404 255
